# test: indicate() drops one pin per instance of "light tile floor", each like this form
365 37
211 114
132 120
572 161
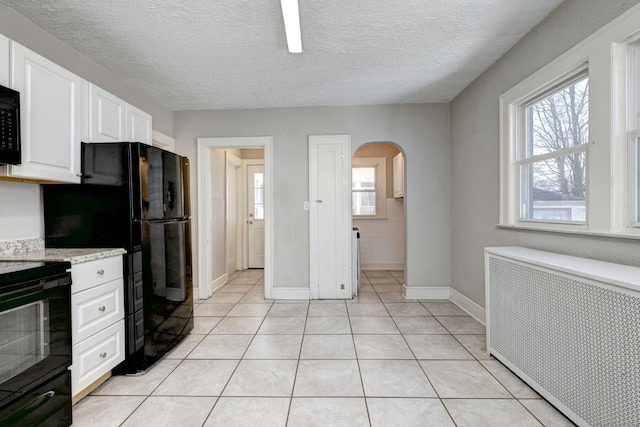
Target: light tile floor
378 360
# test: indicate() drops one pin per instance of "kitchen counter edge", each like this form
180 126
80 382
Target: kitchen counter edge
74 256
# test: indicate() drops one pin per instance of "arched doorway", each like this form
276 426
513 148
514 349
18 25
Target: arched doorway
378 202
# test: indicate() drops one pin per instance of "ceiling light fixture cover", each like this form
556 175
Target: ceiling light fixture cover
291 17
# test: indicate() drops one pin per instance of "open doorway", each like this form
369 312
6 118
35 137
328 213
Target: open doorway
378 209
245 209
224 209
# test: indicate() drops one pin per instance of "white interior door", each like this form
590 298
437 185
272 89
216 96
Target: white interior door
330 216
255 214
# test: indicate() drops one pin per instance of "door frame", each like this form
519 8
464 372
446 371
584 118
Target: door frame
236 163
345 217
205 209
245 208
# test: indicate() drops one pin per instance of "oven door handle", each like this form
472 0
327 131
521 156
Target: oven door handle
29 407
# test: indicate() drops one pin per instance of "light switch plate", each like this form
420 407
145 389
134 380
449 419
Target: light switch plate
305 205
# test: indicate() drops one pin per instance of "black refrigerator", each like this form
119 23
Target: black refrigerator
136 197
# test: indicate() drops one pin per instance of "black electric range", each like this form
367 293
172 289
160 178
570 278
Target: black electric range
35 326
15 272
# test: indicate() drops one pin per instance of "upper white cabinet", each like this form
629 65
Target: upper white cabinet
4 61
107 116
51 117
398 176
138 125
112 120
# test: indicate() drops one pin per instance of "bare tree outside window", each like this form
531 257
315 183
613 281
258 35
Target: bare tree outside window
554 169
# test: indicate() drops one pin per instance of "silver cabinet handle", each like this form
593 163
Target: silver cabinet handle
100 272
318 201
102 308
103 355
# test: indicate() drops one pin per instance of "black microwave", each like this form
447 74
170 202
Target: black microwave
9 126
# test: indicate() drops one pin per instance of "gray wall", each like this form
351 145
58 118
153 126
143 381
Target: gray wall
25 32
422 131
475 151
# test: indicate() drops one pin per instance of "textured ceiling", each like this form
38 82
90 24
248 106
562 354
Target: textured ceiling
214 54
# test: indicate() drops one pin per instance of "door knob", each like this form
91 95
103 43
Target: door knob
249 222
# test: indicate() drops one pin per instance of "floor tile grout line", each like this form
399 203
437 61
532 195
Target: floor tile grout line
304 335
237 364
355 350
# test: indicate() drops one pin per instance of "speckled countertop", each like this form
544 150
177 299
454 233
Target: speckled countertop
36 252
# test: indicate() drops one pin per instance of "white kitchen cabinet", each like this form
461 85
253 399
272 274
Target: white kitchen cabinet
138 125
398 176
4 61
51 117
163 141
97 322
107 116
113 120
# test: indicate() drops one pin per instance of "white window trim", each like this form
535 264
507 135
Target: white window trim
380 163
633 141
606 53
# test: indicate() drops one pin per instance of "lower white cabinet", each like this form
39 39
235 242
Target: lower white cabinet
96 308
97 320
97 355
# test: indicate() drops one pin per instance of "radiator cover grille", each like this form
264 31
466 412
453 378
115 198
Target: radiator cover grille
577 339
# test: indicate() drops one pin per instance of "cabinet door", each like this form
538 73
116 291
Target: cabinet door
398 176
4 61
51 117
138 125
107 120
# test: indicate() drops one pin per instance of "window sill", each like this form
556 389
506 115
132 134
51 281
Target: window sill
620 235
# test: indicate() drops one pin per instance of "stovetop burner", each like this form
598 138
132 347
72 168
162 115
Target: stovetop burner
12 272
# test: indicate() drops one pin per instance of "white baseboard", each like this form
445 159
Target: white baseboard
426 292
215 285
291 293
475 310
374 266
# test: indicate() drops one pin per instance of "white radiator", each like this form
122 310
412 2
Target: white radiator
570 328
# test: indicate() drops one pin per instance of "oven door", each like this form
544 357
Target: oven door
35 336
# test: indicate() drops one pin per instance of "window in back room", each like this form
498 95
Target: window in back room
368 187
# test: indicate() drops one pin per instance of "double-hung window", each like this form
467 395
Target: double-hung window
368 189
570 139
552 153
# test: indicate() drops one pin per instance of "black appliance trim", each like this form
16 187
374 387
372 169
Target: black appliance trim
10 145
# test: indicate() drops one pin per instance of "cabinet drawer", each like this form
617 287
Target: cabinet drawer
97 355
96 308
89 274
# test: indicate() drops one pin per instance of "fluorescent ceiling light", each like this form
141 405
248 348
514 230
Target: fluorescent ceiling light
291 18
